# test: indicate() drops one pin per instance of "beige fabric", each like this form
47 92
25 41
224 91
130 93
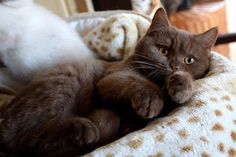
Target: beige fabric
111 35
85 22
115 38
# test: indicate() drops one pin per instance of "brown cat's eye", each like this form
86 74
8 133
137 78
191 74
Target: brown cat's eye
163 51
189 60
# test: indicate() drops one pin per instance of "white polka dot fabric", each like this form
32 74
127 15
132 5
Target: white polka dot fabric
114 39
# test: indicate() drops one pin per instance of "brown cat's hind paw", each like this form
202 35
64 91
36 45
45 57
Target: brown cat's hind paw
85 132
147 105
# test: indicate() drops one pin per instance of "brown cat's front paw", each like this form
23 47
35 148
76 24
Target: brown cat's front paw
180 87
147 104
85 132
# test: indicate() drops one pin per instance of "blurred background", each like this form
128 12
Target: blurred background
192 15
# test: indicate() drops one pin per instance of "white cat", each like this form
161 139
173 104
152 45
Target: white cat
33 39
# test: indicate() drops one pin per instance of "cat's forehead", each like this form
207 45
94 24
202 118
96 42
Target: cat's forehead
170 37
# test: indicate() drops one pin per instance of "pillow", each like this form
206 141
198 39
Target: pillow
116 38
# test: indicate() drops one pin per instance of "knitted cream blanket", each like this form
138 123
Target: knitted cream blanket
116 38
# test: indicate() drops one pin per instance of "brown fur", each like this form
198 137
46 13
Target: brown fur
58 112
49 113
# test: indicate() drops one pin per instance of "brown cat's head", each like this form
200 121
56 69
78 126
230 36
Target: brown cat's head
165 49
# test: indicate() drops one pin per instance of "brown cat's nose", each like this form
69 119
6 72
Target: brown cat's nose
174 67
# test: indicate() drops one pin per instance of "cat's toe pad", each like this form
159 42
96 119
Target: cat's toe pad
180 87
147 105
180 96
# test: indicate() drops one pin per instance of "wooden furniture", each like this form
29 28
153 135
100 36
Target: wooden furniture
101 5
226 38
84 5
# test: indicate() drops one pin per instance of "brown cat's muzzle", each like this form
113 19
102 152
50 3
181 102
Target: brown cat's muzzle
174 68
170 71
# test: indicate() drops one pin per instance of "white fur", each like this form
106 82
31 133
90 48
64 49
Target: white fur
33 39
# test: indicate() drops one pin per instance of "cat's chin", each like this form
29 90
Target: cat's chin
168 73
160 80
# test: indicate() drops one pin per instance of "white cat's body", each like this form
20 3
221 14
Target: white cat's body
33 39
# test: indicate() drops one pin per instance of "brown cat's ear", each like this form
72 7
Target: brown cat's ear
159 20
208 38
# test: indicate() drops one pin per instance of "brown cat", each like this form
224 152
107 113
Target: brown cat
57 113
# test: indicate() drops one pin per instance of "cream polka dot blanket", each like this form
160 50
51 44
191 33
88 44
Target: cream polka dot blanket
115 37
203 127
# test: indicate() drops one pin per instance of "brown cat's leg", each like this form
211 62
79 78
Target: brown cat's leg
58 134
108 124
84 131
38 113
180 87
146 97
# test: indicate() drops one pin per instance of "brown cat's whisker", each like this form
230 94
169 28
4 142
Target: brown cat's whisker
143 67
153 74
149 64
154 62
149 59
142 56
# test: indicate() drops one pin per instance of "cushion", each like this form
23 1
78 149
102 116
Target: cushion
115 37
